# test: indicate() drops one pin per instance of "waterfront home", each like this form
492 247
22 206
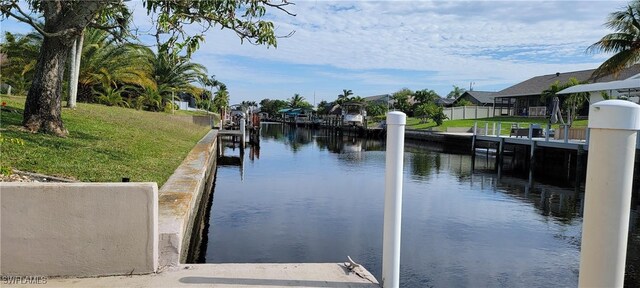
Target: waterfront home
524 98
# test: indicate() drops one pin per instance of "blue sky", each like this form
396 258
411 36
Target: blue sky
379 47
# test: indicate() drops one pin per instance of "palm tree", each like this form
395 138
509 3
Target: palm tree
296 101
624 42
344 97
102 56
109 93
425 96
456 92
177 72
357 99
22 54
221 99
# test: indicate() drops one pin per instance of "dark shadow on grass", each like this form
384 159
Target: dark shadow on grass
83 136
11 116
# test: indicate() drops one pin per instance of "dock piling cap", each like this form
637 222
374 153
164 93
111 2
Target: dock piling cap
615 114
396 118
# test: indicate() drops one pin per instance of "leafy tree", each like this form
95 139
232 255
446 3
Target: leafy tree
430 111
272 106
624 42
65 20
323 107
572 103
22 54
401 99
425 96
376 109
456 92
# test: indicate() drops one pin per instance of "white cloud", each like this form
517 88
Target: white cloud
447 37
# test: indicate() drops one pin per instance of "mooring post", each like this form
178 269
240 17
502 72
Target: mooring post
494 128
612 147
530 131
579 167
566 133
532 162
499 129
242 131
546 136
500 157
396 122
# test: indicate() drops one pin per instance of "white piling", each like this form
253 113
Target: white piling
243 127
396 122
612 147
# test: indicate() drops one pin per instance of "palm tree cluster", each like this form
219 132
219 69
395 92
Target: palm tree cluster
118 74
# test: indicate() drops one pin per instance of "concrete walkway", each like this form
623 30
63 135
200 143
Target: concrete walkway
232 275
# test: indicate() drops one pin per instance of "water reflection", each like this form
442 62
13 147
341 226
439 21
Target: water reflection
315 196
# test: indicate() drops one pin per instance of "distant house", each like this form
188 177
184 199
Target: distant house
478 98
444 102
185 101
523 99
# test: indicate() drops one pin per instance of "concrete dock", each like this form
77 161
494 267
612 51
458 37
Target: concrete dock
231 275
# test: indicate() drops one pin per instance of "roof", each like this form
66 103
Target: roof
632 84
484 97
444 101
381 98
351 103
535 85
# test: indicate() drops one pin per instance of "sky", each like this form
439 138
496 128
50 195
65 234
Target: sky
379 47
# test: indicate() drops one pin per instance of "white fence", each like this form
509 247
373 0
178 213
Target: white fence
468 112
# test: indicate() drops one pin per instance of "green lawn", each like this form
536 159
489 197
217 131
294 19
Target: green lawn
104 144
414 123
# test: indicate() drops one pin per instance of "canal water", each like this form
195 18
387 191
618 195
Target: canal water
311 196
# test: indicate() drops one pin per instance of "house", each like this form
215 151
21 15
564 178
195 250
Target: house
185 101
478 98
524 98
444 102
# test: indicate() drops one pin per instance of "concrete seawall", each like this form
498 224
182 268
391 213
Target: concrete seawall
179 200
457 140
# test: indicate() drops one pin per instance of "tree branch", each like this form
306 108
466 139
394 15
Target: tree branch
24 18
27 19
280 6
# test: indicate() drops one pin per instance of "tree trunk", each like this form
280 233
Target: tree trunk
76 51
42 111
72 70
